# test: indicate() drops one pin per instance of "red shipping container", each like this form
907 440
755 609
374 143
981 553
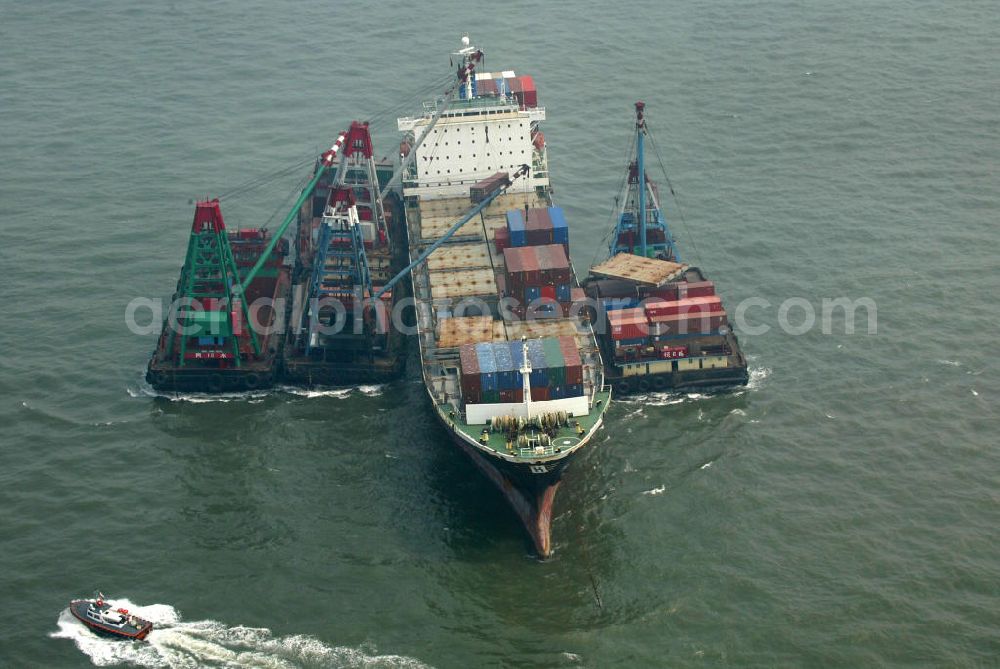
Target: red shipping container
518 395
666 292
501 238
627 324
529 95
694 305
549 292
471 386
687 323
571 359
540 394
669 352
696 289
507 396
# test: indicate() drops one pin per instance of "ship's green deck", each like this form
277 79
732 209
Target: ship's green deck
498 441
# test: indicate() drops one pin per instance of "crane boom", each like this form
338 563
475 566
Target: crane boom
523 170
330 156
326 160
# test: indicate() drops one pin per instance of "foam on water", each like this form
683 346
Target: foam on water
207 643
143 389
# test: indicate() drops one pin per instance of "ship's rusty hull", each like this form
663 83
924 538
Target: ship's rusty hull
530 495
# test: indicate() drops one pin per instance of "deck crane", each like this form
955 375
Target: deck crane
522 171
636 218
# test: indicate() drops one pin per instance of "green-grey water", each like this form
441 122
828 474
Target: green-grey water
841 511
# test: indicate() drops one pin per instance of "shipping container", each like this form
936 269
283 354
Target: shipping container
677 324
574 389
532 293
501 239
695 289
556 363
631 342
506 372
694 305
627 324
488 378
481 189
515 227
560 229
529 94
563 292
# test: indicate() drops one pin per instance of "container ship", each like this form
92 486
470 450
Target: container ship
512 372
662 325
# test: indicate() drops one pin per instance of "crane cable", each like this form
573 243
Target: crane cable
680 211
612 225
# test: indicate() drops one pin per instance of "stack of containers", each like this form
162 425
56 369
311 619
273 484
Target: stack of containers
472 391
501 238
537 227
556 368
489 380
516 228
574 366
491 371
534 272
628 328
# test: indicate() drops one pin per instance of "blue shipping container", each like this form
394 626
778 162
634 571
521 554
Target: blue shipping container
560 230
487 367
507 377
574 391
631 342
612 303
563 292
517 354
532 293
516 227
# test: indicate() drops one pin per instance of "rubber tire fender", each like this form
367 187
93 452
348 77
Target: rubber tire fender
215 383
251 380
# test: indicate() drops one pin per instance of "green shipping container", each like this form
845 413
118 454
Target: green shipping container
557 364
491 397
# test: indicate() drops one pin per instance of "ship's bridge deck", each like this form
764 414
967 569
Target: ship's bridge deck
459 282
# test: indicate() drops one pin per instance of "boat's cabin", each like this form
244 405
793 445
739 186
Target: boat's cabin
107 616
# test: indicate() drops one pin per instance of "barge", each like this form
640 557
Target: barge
662 326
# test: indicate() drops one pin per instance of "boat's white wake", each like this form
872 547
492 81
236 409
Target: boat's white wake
206 643
143 389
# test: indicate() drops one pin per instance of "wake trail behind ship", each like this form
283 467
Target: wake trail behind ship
175 643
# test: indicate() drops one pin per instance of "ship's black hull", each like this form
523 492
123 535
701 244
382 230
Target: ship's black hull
179 379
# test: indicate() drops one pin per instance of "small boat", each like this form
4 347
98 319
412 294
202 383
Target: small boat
103 618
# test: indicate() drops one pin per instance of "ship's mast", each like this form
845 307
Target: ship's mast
526 376
640 131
